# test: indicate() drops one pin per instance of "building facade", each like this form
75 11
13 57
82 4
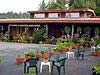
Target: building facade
74 23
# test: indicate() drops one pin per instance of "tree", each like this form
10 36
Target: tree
90 4
71 2
42 5
61 4
97 10
84 4
78 4
97 2
51 5
13 15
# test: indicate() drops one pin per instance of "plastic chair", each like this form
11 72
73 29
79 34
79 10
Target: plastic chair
79 53
58 64
68 54
30 63
45 63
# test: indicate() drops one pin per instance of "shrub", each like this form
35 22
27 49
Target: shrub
98 41
96 68
60 44
38 36
30 53
5 38
32 72
75 40
42 51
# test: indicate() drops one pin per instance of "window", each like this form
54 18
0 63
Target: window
53 15
39 16
72 15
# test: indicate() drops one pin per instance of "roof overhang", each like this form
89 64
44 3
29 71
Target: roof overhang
46 20
63 11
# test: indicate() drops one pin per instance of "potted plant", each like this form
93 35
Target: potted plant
5 38
60 45
92 53
38 35
67 29
19 59
39 55
29 55
97 51
42 51
96 69
46 57
32 72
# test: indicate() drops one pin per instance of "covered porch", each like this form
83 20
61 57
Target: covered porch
55 27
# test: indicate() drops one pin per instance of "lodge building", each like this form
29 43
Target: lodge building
56 23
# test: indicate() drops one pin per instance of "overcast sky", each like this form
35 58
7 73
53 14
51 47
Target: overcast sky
19 5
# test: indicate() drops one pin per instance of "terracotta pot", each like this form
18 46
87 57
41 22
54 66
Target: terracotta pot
20 60
60 50
73 47
45 54
38 56
98 53
56 50
66 49
81 46
92 53
46 60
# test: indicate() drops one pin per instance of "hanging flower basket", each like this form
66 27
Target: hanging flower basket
67 29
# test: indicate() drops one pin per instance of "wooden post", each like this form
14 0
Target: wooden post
2 29
47 28
46 15
72 31
63 15
32 16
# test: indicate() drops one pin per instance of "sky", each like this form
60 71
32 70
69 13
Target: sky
19 5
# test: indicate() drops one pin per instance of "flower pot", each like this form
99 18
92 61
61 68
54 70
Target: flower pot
38 56
45 54
20 60
98 53
73 47
50 53
46 57
46 60
92 53
56 50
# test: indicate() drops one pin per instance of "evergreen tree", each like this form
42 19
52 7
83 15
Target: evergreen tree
61 4
71 2
13 15
52 5
84 4
97 10
42 5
